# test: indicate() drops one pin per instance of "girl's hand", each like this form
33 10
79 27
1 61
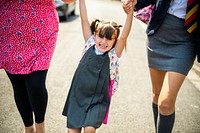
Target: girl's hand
128 5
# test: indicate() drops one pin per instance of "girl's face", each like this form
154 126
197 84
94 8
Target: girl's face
103 44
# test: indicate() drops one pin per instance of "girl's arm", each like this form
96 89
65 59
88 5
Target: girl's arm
84 20
121 42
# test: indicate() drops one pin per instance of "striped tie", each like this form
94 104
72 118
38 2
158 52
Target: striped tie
191 15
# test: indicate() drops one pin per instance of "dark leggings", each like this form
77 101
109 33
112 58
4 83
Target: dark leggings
30 95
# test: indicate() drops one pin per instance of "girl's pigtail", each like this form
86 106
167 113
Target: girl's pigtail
94 25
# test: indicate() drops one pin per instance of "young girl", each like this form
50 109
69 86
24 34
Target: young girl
96 77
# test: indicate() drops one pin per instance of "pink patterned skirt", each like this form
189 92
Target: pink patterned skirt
28 34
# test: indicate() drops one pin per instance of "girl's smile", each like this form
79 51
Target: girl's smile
103 44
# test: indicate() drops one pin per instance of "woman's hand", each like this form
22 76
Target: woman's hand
128 5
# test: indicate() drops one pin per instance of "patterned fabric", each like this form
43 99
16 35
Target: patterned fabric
28 33
191 15
144 14
114 63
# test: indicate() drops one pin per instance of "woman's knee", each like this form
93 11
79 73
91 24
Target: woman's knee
166 107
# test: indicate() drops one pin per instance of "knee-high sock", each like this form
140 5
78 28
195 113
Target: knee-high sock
165 123
155 114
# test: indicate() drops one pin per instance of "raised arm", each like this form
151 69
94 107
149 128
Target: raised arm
121 42
84 20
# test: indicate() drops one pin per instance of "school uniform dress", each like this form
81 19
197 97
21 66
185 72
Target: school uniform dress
169 46
28 34
88 99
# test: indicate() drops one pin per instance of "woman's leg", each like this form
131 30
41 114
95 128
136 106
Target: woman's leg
169 92
74 130
40 127
89 129
157 78
165 90
167 99
30 129
22 101
35 83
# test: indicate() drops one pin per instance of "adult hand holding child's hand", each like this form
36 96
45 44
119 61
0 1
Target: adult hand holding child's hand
128 5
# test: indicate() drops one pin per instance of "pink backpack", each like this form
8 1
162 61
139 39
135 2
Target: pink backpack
144 14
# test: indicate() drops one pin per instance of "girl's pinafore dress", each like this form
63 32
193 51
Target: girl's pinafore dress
88 99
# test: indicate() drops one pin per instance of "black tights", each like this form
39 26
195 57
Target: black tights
30 95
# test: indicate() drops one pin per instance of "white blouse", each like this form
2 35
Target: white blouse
178 8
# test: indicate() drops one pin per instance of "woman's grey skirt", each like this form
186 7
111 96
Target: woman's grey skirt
171 48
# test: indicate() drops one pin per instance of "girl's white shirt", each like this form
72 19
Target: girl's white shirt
114 63
178 8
